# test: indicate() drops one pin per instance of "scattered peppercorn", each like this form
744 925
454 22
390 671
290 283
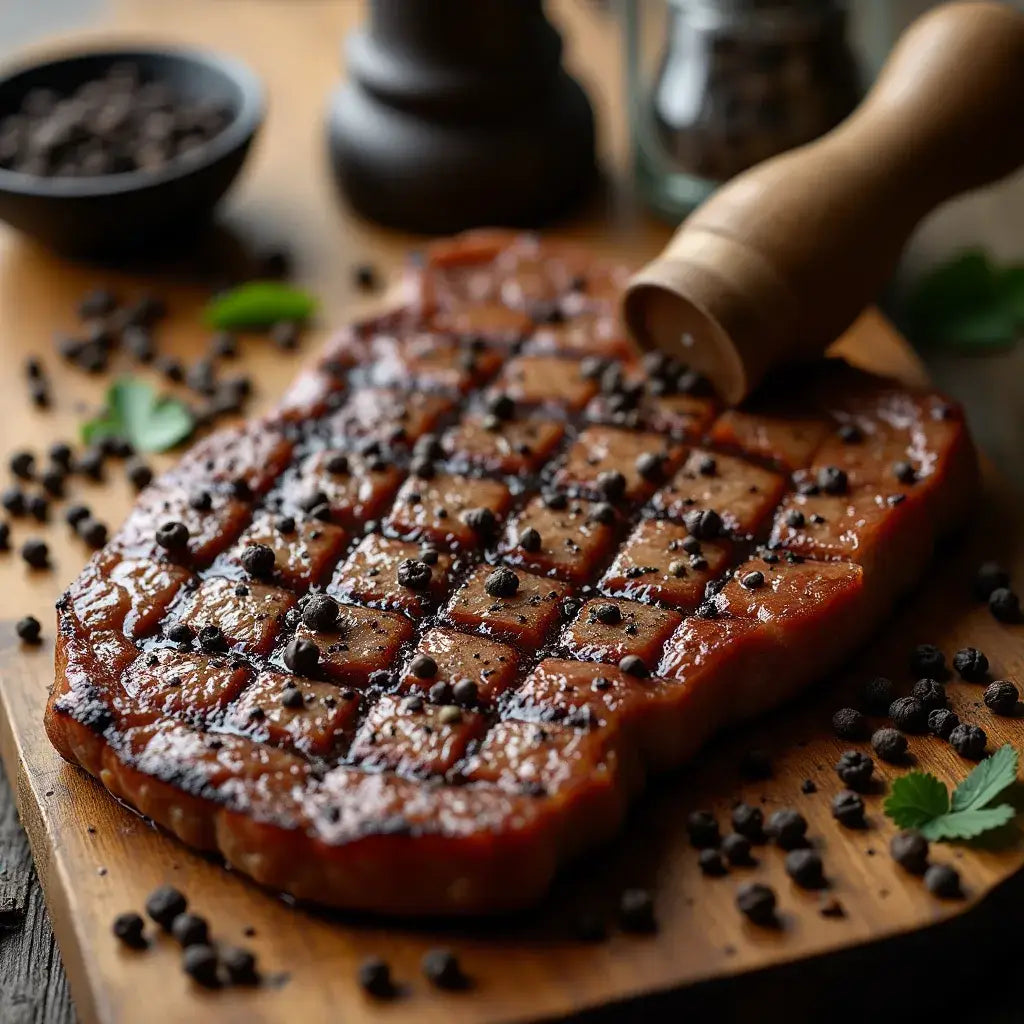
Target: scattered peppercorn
736 848
757 903
200 964
38 506
442 968
943 881
855 769
609 614
530 539
909 714
971 664
13 501
190 930
968 741
36 553
910 850
711 863
702 828
942 721
302 656
28 630
848 809
926 660
889 744
808 786
240 965
365 277
423 666
877 694
1001 697
172 536
989 577
752 580
849 724
128 927
633 665
703 523
139 475
788 828
74 514
22 465
320 613
258 560
636 911
1004 605
481 521
503 582
52 481
748 821
832 480
805 868
164 904
930 692
375 978
92 531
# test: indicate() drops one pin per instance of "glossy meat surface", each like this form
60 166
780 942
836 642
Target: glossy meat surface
422 632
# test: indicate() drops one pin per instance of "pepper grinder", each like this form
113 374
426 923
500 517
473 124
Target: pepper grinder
781 260
457 114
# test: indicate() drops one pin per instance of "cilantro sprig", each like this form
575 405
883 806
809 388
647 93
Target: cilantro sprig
136 413
919 800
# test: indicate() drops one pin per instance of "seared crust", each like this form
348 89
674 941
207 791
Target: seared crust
445 745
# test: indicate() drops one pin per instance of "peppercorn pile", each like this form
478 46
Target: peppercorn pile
481 560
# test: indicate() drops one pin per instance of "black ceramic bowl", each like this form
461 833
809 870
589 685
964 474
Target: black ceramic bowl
114 214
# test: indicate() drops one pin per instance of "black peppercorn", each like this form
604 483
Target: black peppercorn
756 902
258 560
926 660
139 475
633 666
877 695
200 964
711 862
703 523
375 978
609 614
943 881
22 465
702 828
848 809
910 850
889 744
736 848
28 630
320 613
909 714
414 575
602 513
164 904
1001 697
503 582
481 521
650 465
636 911
92 531
52 480
1004 605
849 724
752 580
530 539
442 968
240 965
832 480
128 927
291 698
423 667
748 821
788 828
931 693
190 930
989 577
611 485
180 633
968 741
942 721
13 501
302 656
854 770
172 536
971 664
38 506
805 868
36 553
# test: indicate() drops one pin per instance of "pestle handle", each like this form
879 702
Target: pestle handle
782 259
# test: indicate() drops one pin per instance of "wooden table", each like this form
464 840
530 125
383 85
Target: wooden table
286 196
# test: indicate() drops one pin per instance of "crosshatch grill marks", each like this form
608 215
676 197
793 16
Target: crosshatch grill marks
476 578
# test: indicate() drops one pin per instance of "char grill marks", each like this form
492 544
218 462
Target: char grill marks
416 637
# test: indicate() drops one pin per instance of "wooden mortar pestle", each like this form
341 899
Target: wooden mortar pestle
782 259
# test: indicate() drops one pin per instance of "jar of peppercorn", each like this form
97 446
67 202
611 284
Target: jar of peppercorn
718 85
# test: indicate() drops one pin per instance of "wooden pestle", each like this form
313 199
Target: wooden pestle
782 259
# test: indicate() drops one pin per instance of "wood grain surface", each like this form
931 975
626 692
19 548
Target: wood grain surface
527 968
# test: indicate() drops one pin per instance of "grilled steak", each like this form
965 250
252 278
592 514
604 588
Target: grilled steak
416 637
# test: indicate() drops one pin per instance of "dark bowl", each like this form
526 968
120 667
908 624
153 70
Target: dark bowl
115 214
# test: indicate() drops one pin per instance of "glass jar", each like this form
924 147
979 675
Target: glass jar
718 85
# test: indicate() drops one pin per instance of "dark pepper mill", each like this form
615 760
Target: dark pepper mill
458 113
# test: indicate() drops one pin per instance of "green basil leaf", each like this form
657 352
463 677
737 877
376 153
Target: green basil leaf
135 412
1011 289
967 824
915 799
987 780
259 304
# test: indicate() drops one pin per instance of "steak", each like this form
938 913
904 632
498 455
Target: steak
416 637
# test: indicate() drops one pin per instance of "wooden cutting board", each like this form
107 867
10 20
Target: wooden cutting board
96 859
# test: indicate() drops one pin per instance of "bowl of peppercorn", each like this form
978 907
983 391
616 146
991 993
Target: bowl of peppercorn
109 152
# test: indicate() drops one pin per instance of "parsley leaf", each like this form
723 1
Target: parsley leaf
916 799
259 304
967 824
968 302
988 779
136 413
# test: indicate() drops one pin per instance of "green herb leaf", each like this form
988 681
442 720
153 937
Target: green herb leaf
135 412
988 779
259 304
916 798
967 824
968 302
